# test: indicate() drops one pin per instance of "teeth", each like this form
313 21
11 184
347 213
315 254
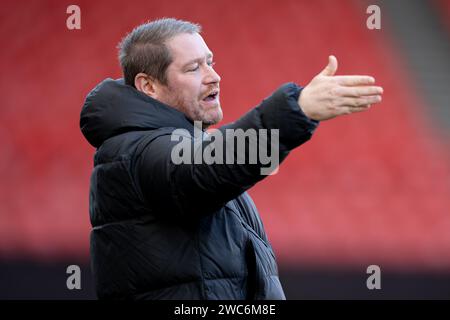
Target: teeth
212 95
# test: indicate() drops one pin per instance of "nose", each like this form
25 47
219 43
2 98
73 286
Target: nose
211 76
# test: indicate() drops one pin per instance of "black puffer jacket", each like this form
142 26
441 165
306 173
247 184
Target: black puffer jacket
167 231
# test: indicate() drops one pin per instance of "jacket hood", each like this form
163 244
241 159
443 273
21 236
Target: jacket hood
112 108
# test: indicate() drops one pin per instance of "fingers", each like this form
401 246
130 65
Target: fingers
354 80
331 68
359 91
349 110
348 102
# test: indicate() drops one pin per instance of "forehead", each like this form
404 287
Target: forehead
186 47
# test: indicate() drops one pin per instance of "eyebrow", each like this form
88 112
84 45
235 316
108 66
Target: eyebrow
208 56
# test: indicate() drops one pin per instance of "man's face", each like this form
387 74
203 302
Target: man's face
192 84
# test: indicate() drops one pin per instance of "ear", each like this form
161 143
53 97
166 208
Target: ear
146 84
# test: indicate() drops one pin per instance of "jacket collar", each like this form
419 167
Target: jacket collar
112 108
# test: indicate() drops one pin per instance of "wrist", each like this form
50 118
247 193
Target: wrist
303 103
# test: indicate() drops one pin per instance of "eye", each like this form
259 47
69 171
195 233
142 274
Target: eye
193 68
211 63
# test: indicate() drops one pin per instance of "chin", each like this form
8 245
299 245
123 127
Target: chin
213 117
217 118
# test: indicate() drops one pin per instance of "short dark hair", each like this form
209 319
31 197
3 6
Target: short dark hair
144 49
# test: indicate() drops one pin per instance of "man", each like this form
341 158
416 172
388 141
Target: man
166 230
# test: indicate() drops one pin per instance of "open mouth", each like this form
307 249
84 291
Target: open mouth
212 96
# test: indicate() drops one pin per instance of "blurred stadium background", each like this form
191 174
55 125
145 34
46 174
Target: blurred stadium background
371 188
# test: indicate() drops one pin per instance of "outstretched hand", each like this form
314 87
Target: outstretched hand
328 96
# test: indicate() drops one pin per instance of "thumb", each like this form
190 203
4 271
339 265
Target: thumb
331 68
